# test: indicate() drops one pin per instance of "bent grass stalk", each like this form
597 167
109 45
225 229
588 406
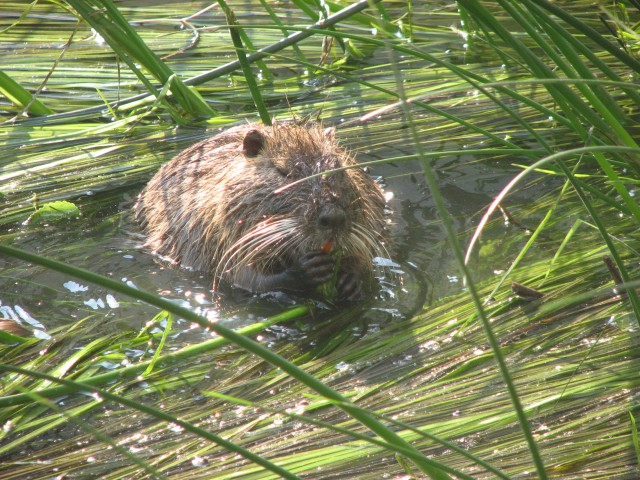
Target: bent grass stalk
294 38
141 407
433 468
434 189
533 167
107 20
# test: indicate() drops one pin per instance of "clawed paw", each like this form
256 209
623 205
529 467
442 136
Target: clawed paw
313 269
349 285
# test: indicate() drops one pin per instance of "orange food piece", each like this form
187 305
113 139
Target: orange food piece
326 248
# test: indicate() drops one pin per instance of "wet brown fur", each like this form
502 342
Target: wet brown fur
214 207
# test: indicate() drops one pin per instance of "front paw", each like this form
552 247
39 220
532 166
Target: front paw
311 269
349 285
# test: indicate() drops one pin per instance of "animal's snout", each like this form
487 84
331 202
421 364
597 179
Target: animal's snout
332 217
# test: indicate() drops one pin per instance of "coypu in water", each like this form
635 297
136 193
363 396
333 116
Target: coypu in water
225 207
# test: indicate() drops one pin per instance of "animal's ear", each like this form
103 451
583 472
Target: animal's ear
253 143
330 134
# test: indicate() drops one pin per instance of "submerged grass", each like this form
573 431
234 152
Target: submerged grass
453 390
462 373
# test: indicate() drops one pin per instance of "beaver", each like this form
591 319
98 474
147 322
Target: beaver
239 206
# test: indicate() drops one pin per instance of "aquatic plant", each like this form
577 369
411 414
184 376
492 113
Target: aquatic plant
542 337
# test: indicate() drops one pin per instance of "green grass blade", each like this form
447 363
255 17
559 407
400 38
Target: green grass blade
68 416
294 371
230 67
591 33
492 339
20 97
143 368
249 77
141 407
106 19
634 435
373 440
557 157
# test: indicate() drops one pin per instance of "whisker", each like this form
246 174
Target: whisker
258 240
365 242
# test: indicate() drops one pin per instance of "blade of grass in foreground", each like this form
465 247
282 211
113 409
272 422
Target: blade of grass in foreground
432 184
139 406
144 368
365 438
20 97
74 386
67 417
107 20
426 465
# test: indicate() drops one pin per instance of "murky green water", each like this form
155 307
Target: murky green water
107 241
104 239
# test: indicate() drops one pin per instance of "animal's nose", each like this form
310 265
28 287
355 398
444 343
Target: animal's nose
332 217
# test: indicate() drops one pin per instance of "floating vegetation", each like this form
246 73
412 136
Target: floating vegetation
525 369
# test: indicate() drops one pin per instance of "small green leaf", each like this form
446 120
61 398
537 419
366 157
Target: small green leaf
8 338
53 212
328 288
20 97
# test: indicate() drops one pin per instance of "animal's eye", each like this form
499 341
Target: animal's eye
283 170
